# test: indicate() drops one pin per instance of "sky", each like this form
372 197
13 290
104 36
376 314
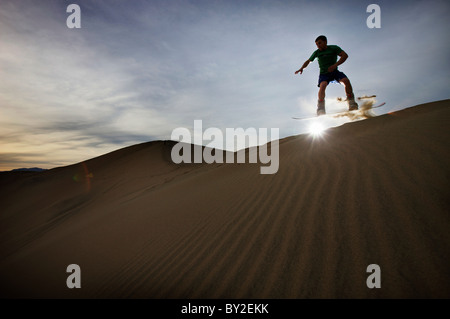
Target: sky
136 70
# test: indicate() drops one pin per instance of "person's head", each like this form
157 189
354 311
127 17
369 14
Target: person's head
321 42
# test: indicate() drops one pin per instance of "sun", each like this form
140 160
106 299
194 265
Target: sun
316 129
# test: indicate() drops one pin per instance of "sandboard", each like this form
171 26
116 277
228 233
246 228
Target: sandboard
339 113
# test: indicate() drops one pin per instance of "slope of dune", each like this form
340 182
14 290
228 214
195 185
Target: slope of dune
139 226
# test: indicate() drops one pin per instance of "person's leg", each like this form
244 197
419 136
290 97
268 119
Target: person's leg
321 96
352 105
322 87
348 87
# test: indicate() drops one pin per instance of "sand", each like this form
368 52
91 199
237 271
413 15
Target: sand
139 226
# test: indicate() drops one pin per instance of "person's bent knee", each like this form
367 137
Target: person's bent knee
345 81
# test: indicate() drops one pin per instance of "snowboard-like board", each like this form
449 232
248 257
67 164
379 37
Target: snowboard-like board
340 113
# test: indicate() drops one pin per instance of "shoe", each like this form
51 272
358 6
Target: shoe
352 105
321 108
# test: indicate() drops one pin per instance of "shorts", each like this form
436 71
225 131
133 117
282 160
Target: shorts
331 76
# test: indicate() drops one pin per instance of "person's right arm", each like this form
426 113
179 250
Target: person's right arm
303 66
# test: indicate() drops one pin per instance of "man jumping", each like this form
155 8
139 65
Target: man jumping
327 55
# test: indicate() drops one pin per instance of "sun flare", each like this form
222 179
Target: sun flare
316 129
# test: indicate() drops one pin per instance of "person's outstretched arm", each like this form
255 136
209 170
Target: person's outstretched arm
303 66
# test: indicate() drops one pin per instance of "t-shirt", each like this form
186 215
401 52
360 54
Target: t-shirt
327 57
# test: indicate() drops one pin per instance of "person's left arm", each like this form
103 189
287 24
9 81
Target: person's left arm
342 57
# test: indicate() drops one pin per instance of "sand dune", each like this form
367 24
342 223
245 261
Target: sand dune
139 226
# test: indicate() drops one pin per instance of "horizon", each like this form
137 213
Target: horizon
311 134
136 71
